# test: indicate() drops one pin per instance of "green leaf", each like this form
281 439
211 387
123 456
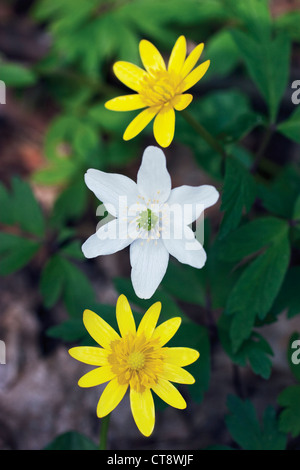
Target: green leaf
238 194
289 419
15 75
251 238
69 330
255 350
61 278
280 196
20 207
184 283
288 297
246 430
27 212
256 289
15 252
291 127
70 204
267 62
71 440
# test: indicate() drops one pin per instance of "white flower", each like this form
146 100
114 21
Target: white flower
150 217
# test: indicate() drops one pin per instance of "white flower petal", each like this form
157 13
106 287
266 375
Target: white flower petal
149 261
110 238
153 179
186 250
115 191
192 200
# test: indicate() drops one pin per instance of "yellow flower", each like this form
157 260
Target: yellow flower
136 359
160 89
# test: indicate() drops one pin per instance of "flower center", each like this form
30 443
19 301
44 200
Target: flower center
160 87
147 220
136 360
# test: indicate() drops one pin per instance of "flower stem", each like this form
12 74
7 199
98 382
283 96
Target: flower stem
204 133
103 432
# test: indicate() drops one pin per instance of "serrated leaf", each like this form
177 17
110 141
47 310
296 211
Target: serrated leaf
15 252
238 194
291 127
255 351
246 430
289 419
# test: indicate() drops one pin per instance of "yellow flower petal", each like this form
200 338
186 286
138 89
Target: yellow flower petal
180 356
125 318
195 75
101 331
166 330
90 355
180 102
192 60
177 374
168 393
149 321
151 57
164 126
140 122
125 103
96 377
142 407
111 397
178 55
129 74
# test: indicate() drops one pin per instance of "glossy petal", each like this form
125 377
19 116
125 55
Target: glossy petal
90 355
180 102
195 75
166 330
99 329
149 261
192 60
125 103
111 397
96 377
142 407
125 318
164 126
180 356
114 190
176 374
169 394
140 122
148 322
109 239
178 55
153 179
151 57
129 74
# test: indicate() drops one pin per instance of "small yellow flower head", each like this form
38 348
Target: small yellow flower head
160 89
135 359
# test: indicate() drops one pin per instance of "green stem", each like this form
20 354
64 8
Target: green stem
261 151
204 133
103 432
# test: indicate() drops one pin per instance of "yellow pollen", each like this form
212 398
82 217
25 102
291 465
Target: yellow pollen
136 360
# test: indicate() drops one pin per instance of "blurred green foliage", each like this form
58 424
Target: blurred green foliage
252 273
